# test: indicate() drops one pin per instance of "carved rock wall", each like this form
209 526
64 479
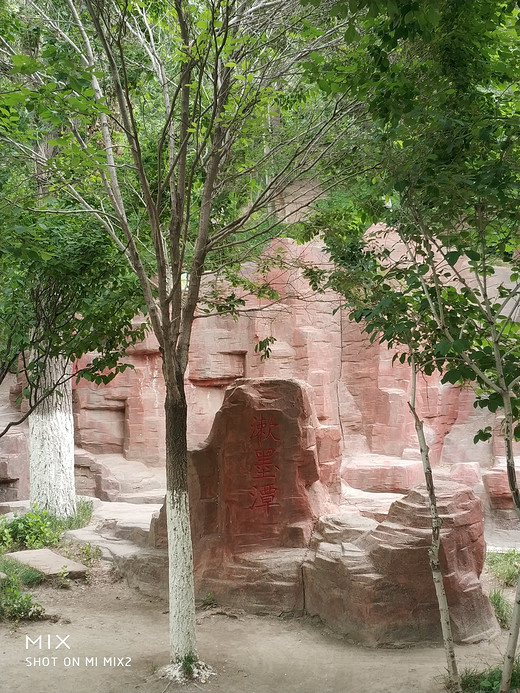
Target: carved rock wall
365 429
127 415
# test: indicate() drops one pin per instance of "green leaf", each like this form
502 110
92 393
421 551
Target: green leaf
443 347
24 64
452 257
351 34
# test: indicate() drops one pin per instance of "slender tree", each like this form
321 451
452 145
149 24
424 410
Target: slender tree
444 112
167 142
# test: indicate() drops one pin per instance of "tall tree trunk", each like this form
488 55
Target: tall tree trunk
433 552
180 553
51 445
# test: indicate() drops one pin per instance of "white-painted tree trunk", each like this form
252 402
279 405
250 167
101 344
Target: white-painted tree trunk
181 586
51 445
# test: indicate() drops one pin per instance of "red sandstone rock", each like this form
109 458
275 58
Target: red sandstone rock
255 496
497 486
378 588
256 472
360 396
382 474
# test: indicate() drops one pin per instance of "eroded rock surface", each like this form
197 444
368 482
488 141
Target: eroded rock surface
377 587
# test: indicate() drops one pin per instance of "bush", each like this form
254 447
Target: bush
33 530
16 605
37 528
6 537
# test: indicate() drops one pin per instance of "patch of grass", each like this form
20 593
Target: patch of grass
503 608
208 601
188 664
24 574
152 669
81 518
90 553
504 566
487 680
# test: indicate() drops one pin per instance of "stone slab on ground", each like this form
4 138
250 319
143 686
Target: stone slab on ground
49 562
111 547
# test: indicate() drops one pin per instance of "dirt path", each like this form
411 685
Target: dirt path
118 638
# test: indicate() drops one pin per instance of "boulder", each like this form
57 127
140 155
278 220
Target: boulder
378 589
257 478
255 495
497 486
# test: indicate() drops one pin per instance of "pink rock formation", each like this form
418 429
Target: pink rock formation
255 496
374 583
360 396
259 470
126 416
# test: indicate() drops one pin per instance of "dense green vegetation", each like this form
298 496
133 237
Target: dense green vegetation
33 530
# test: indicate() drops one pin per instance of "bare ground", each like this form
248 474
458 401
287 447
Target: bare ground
118 640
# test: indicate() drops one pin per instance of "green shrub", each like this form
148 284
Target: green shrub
16 605
37 528
34 530
487 680
504 566
6 537
503 608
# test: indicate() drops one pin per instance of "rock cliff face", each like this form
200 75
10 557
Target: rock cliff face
298 464
360 397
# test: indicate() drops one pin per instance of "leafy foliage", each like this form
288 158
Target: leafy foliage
16 605
487 680
38 528
445 118
32 530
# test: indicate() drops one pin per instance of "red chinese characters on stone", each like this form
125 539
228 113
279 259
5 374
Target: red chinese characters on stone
263 429
264 467
264 495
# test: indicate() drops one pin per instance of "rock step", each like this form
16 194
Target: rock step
111 547
49 563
